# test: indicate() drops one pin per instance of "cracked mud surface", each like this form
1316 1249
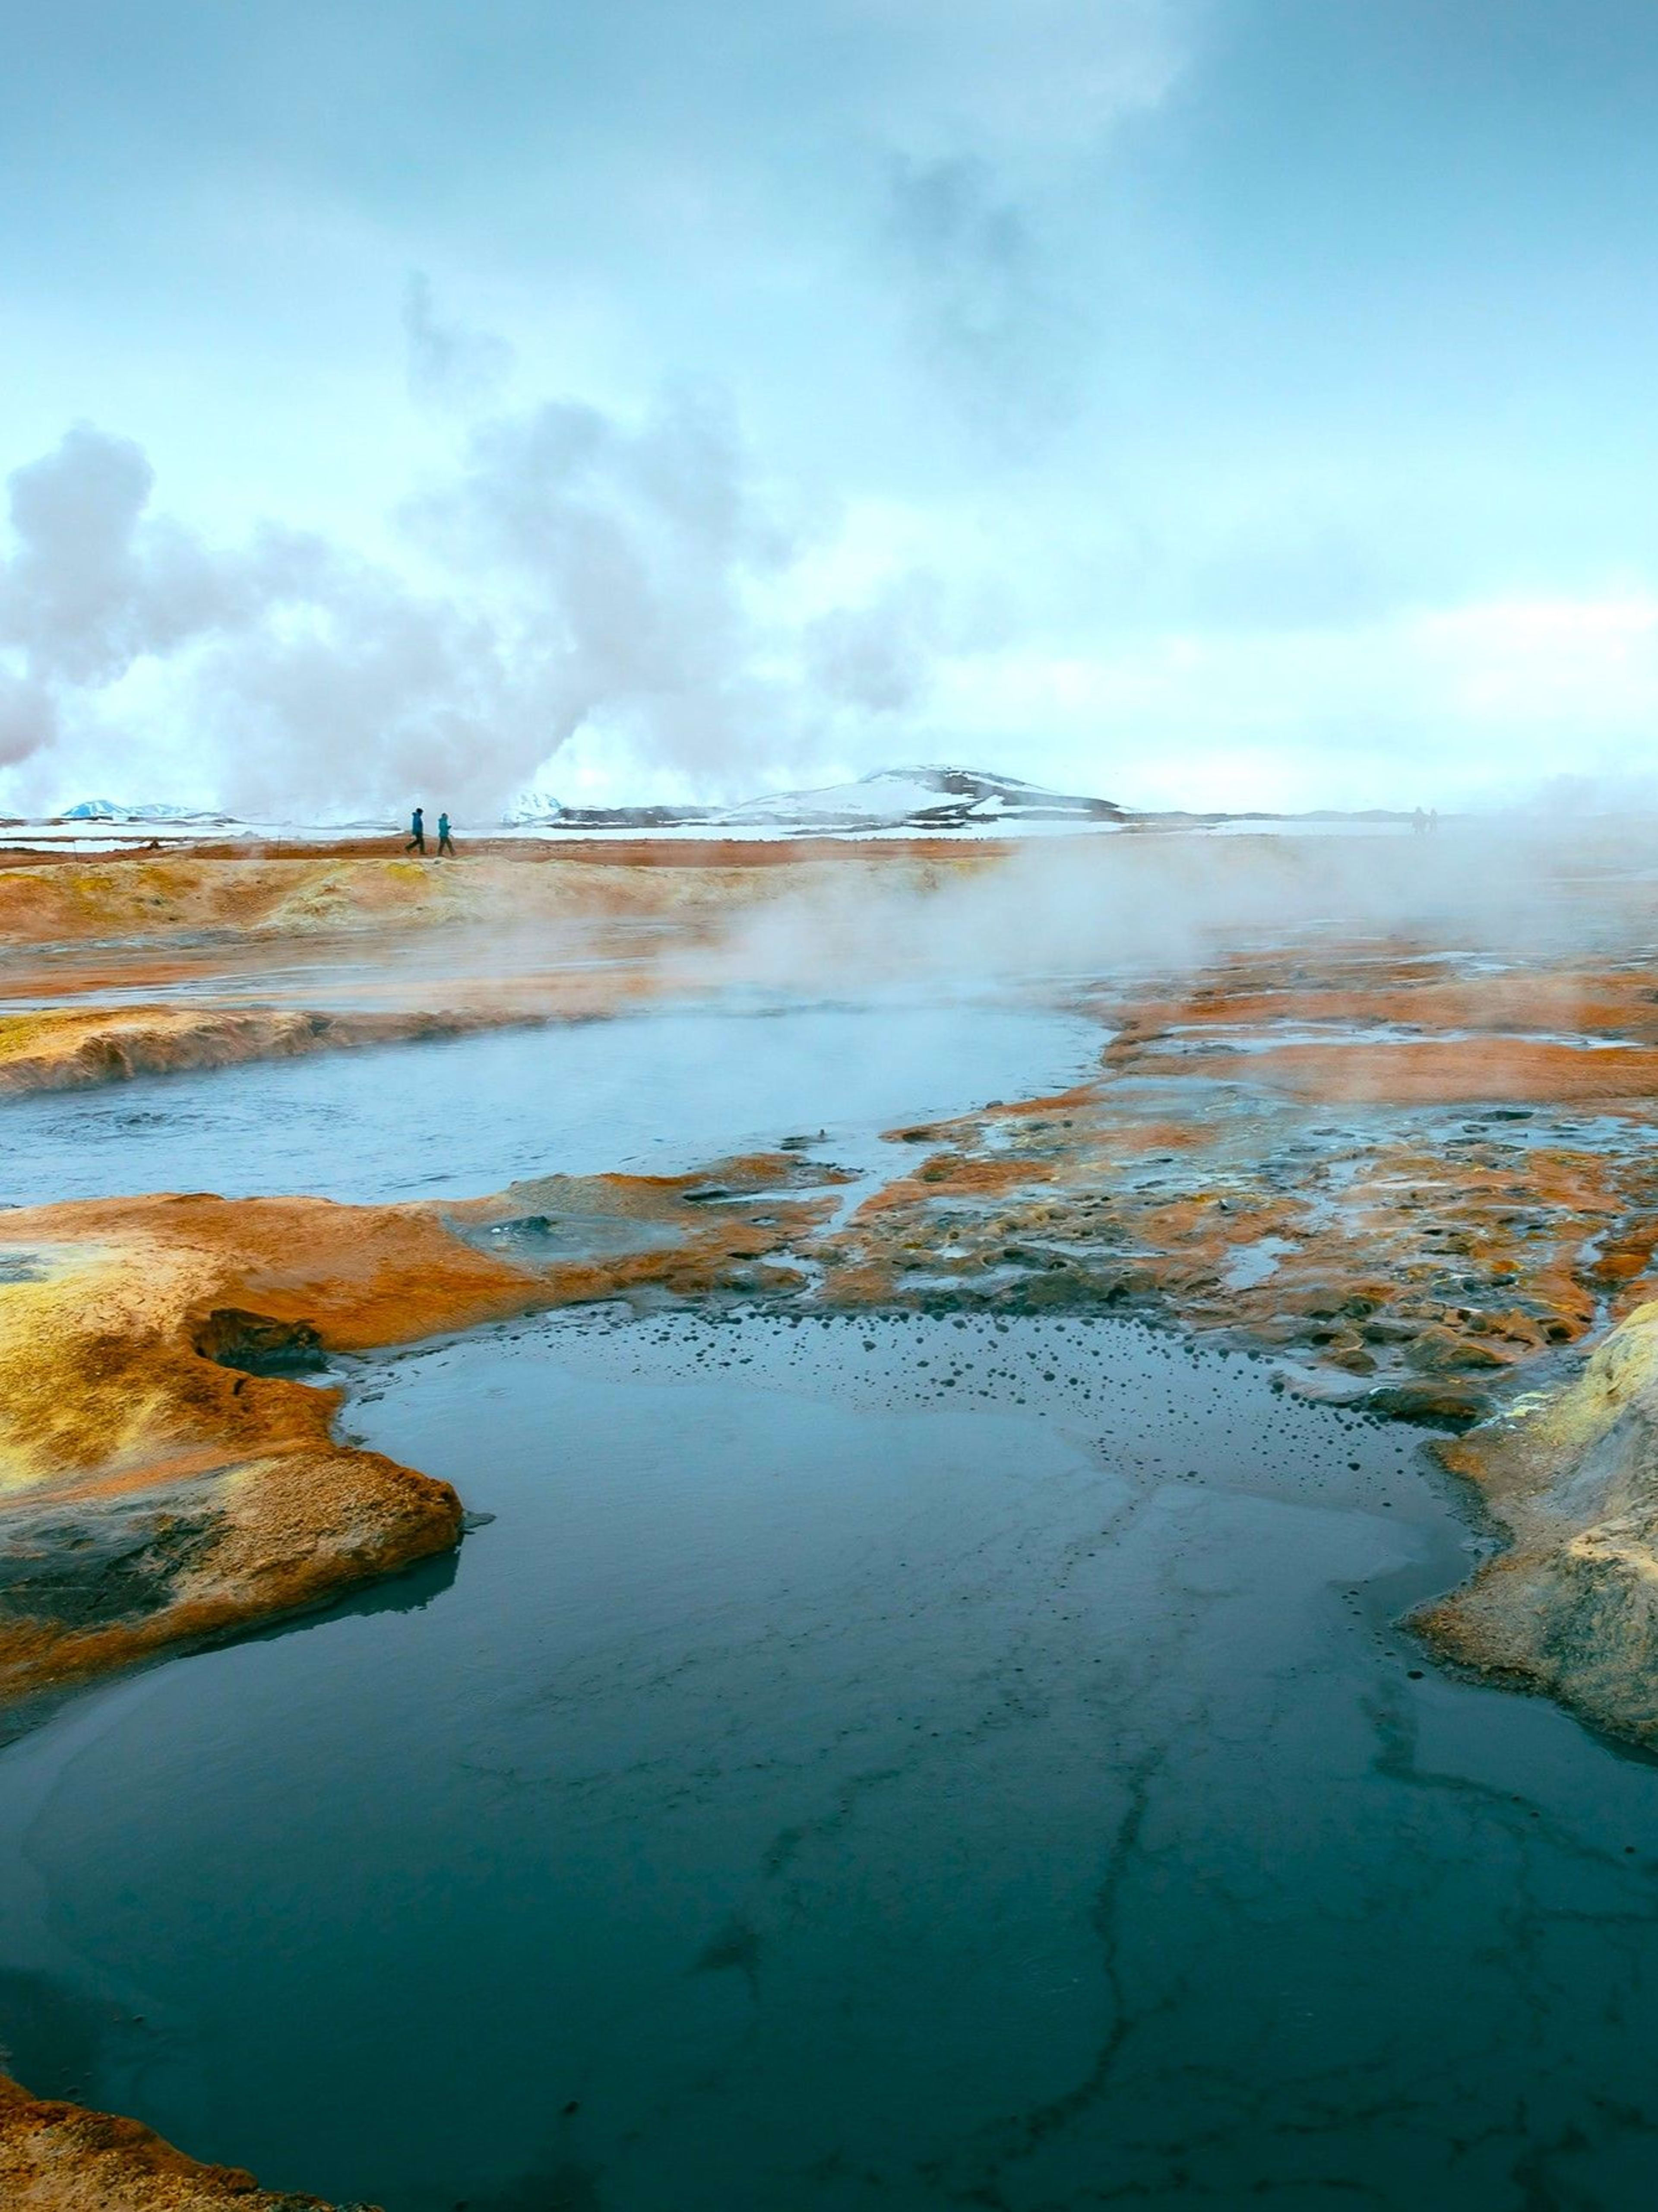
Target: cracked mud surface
945 1761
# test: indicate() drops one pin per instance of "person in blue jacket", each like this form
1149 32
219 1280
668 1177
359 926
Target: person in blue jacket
417 842
446 842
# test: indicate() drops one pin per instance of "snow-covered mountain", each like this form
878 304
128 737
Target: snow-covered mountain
919 798
917 801
531 810
114 810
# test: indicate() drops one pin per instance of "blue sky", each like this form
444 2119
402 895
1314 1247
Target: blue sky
1204 402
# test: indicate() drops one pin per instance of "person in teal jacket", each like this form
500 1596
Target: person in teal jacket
446 842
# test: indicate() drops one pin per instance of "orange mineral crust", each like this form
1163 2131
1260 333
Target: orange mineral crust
1407 1164
1375 1264
67 1049
1433 1071
307 892
60 2158
165 1474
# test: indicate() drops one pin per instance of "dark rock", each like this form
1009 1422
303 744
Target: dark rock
1439 1351
89 1569
1440 1402
254 1344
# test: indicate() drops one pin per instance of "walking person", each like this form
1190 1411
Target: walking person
446 842
417 842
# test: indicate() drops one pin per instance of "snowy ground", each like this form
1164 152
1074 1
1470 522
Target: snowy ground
90 838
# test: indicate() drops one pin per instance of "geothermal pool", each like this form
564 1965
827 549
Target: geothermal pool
652 1093
863 1763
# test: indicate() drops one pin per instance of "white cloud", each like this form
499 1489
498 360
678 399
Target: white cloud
448 364
1480 701
1034 79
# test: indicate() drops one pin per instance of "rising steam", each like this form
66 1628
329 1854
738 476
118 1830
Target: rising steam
622 578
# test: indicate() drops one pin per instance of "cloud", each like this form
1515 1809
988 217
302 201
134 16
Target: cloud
879 657
1042 78
1290 572
632 588
634 549
448 365
980 303
1471 703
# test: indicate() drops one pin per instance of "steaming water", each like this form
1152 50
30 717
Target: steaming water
863 1763
472 1114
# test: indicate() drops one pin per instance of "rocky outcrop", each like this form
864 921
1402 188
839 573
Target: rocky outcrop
1571 1607
1375 1264
60 2158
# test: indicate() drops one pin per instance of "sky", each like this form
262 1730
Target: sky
1240 404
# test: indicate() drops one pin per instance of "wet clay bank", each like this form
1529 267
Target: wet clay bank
166 1475
1422 1186
133 969
131 965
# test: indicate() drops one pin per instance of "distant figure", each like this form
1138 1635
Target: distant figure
446 842
1418 824
1433 821
417 842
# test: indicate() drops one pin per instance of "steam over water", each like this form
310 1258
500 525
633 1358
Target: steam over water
473 1113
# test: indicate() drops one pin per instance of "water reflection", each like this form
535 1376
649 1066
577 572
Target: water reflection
871 1763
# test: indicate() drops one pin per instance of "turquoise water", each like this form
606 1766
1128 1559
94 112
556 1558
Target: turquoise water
442 1119
863 1764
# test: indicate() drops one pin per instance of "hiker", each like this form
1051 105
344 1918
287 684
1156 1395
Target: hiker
446 842
417 842
1418 824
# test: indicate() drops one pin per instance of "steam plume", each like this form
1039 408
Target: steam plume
597 573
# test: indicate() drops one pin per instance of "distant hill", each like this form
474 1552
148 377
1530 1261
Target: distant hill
533 810
114 810
920 798
538 809
931 798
